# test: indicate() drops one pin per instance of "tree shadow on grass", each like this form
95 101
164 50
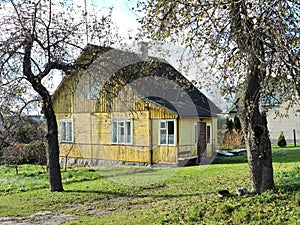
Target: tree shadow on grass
287 188
288 181
238 158
133 195
286 156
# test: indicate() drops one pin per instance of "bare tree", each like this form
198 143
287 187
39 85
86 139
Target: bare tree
36 38
252 46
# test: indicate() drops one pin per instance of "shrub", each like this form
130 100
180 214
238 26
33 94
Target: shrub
237 123
263 116
13 154
233 139
229 124
35 153
281 140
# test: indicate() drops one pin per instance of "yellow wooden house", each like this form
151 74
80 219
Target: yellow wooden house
119 107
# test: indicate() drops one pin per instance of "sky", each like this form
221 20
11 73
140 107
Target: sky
122 15
126 20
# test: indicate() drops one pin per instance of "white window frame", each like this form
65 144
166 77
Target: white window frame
196 136
91 90
117 126
66 130
160 129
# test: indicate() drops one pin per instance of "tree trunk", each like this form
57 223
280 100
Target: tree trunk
53 148
52 133
52 139
256 132
255 129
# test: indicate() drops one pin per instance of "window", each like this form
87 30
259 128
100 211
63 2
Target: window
91 90
121 131
208 134
167 132
66 130
196 134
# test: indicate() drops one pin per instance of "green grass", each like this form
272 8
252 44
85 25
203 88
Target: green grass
143 195
279 154
288 147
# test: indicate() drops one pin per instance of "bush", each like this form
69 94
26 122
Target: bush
233 139
237 123
281 140
263 116
35 153
13 154
229 124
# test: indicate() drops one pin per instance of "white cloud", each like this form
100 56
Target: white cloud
125 22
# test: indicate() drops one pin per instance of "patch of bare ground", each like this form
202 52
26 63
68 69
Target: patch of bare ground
39 218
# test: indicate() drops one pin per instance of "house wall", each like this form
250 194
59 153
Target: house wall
92 120
165 154
92 138
63 100
285 123
187 135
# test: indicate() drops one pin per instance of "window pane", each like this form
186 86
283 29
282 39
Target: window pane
114 132
95 91
121 134
162 124
163 136
208 134
87 91
69 131
62 131
171 127
128 132
171 139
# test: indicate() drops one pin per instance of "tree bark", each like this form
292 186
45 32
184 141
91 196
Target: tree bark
53 148
256 133
52 139
52 130
255 129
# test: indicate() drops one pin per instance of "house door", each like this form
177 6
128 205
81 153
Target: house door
201 143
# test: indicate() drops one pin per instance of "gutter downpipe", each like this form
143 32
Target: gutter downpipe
150 138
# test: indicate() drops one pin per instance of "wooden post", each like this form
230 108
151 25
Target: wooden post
295 144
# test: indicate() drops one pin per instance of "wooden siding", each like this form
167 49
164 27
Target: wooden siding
92 137
161 153
63 103
187 135
92 125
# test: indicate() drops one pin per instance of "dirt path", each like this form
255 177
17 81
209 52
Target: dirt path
39 218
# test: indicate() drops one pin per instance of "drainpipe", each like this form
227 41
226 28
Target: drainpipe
150 138
91 135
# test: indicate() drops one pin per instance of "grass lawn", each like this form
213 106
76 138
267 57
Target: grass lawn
143 195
